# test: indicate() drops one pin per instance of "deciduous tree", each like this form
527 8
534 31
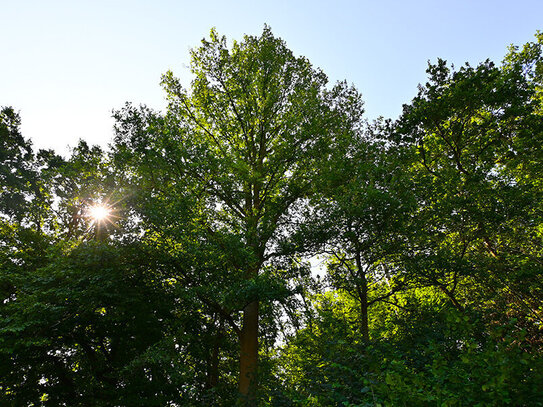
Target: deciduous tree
249 136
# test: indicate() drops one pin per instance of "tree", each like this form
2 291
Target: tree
84 321
434 221
15 165
358 218
475 133
248 137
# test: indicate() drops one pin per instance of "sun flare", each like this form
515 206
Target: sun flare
99 213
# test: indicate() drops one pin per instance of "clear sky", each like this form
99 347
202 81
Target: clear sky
65 65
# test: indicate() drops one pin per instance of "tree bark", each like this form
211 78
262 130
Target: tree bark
363 295
213 363
364 318
248 360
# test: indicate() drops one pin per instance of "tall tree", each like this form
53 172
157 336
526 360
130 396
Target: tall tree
248 136
476 133
17 173
357 220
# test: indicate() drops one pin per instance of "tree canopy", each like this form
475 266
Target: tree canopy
195 285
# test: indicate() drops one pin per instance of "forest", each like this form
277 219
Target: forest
261 243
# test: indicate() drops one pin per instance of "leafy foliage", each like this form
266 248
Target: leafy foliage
196 289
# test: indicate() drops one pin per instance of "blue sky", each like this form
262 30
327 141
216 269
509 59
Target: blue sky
65 65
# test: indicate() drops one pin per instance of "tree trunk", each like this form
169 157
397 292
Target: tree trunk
213 363
364 318
363 295
248 361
